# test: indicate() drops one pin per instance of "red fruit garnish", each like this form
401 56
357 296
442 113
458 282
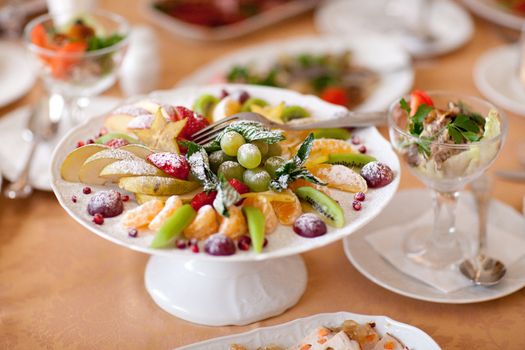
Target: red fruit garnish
201 199
125 198
182 113
80 144
195 123
418 98
335 95
133 232
116 143
359 196
74 199
239 186
98 219
356 205
172 164
194 248
362 149
86 190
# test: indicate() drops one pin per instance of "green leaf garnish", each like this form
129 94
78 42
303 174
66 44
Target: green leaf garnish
226 197
200 166
423 145
455 134
251 131
99 42
404 105
416 122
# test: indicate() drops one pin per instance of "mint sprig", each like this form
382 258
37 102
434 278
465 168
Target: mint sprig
226 196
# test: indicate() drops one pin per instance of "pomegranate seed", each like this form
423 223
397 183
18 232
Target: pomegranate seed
80 144
86 190
74 199
103 131
355 140
133 232
98 219
359 196
193 241
125 198
195 248
224 93
265 242
90 141
244 243
356 205
362 149
181 244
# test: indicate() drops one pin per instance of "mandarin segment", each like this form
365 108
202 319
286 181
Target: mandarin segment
340 177
172 203
204 225
325 147
143 214
264 205
288 212
235 225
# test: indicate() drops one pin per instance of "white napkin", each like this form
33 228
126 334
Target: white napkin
388 243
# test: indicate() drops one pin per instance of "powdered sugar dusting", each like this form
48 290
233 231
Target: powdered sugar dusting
142 121
131 110
107 203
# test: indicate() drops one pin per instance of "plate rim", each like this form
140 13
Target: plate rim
30 72
489 12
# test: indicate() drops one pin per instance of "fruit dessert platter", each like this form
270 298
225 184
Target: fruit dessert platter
515 6
136 177
437 141
335 77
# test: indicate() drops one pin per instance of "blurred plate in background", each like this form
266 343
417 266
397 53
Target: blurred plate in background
17 72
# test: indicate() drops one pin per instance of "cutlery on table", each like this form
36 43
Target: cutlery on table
481 269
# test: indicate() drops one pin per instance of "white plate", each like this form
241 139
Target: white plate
291 333
496 75
448 22
17 72
490 10
283 242
14 150
373 51
414 203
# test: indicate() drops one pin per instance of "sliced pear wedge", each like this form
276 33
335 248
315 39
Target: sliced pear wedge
129 167
140 151
186 197
90 170
157 185
75 159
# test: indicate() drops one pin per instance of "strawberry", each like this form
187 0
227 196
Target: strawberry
195 123
417 98
116 143
172 164
335 95
182 113
239 186
201 199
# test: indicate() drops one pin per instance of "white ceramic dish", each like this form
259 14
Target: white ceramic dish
271 281
290 333
231 31
376 52
17 71
496 75
450 24
491 11
414 203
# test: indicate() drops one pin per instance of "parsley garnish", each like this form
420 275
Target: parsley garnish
464 128
415 126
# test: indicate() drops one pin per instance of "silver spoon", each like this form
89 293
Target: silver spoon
481 269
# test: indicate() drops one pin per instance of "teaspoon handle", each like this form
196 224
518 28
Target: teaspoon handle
481 190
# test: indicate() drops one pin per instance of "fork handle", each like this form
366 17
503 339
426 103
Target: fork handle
350 119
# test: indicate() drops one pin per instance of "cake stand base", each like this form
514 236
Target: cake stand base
225 293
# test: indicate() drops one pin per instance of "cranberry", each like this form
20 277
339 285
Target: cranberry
356 205
181 243
106 203
125 198
74 199
356 140
86 190
244 243
309 225
362 149
359 196
219 245
80 144
133 232
194 248
377 174
98 219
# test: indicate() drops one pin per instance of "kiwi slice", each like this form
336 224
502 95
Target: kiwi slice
332 133
205 104
294 112
115 135
256 223
173 226
323 204
351 160
247 105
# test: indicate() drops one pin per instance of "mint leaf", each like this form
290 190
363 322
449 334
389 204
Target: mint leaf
226 196
455 134
404 105
304 150
200 166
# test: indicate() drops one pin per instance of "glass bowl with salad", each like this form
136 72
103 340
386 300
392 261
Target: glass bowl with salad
78 55
447 140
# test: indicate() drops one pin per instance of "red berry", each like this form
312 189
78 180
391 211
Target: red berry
309 226
182 113
201 199
74 199
356 205
356 140
133 232
194 123
377 174
243 96
224 93
362 149
116 143
125 198
98 219
418 98
244 243
106 203
181 244
80 144
172 164
239 186
219 245
86 190
359 196
194 248
193 241
103 131
335 95
265 242
90 141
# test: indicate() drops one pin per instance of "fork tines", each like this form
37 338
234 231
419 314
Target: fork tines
207 134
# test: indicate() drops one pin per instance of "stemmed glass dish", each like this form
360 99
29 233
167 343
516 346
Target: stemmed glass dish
445 161
79 55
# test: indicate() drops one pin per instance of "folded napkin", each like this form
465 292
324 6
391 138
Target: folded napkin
388 243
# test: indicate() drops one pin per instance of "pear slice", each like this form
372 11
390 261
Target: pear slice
73 162
129 167
167 111
140 151
157 185
118 122
143 198
90 170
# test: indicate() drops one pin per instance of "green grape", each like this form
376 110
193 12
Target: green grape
272 164
274 150
257 179
217 158
231 170
249 156
262 146
231 141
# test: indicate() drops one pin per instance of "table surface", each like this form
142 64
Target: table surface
62 287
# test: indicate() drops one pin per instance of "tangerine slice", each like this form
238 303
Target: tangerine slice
325 147
235 225
264 205
302 182
172 203
143 214
272 196
205 224
340 177
287 212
